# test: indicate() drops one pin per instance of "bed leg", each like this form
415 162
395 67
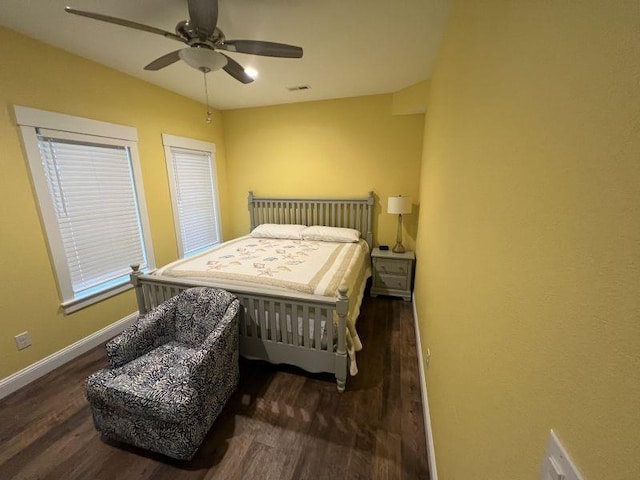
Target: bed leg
342 361
342 367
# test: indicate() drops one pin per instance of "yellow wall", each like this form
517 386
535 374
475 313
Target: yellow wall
412 99
36 75
528 282
339 148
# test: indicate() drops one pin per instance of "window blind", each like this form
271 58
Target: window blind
195 199
93 193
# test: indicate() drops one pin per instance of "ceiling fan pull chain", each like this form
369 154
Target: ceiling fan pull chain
206 94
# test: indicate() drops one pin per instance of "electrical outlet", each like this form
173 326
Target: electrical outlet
23 340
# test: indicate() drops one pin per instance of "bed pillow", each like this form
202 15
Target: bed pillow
274 230
331 234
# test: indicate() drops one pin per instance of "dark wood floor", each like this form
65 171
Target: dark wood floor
281 423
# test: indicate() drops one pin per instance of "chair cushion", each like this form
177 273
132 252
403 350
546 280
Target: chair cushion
198 312
155 385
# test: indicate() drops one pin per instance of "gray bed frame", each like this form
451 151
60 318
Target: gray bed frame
260 337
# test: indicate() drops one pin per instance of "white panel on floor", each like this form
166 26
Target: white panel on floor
556 464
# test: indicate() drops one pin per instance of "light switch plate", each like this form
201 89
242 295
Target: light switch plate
556 463
551 469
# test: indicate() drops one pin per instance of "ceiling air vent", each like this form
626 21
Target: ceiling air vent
298 87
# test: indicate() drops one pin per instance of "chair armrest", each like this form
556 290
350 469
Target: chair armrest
147 333
220 348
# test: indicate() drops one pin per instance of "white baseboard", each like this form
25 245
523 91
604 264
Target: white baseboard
433 470
36 370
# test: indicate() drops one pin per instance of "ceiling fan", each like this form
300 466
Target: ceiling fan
204 40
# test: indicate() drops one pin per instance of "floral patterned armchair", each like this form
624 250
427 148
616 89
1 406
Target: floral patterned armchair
170 374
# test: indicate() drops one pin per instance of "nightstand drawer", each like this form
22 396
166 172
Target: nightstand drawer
391 281
392 266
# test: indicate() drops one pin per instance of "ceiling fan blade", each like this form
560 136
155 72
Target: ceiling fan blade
164 61
124 23
203 15
256 47
234 69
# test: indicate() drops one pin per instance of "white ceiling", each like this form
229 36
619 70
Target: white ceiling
351 47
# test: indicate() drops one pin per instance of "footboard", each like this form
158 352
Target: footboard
307 331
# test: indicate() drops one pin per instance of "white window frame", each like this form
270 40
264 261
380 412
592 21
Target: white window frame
186 143
30 120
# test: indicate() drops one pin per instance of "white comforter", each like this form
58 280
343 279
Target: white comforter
304 266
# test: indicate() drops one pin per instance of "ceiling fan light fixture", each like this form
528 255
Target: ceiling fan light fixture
203 59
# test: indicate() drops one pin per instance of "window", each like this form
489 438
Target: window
194 193
89 188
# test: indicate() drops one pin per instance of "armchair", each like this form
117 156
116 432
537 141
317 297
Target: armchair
170 374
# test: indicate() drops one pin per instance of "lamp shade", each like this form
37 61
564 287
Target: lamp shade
399 205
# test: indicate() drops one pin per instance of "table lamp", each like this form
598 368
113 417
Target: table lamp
399 205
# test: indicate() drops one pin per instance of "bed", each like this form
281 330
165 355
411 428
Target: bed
312 328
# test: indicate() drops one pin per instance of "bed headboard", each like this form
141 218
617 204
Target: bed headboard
354 213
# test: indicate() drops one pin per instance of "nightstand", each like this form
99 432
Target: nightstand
392 273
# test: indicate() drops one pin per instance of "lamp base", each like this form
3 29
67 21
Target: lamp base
398 248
